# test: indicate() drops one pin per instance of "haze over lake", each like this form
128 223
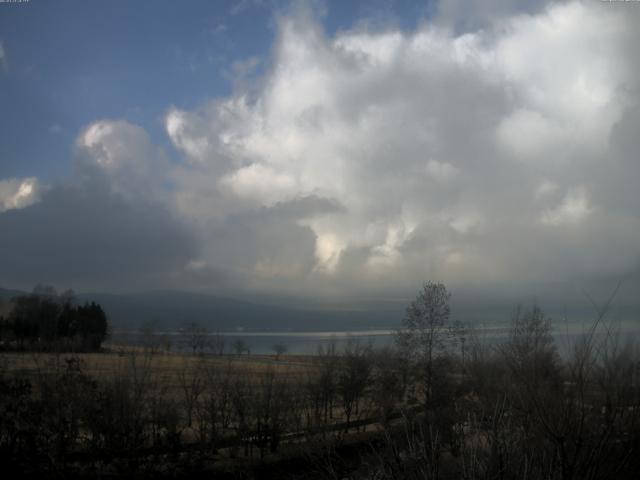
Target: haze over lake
308 342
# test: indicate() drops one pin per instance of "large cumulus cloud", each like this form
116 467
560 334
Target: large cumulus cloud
489 151
484 155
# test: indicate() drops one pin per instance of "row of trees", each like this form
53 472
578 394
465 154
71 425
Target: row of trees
44 320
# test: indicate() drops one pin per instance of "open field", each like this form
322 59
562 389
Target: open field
230 406
417 411
168 365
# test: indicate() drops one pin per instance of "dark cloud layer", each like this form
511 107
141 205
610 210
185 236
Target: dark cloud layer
88 237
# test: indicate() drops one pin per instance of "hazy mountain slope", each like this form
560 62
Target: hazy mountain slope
173 309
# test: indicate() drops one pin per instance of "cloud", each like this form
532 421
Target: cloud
500 149
124 156
3 57
243 5
55 129
268 246
473 15
261 183
18 193
441 171
573 209
90 238
110 225
462 154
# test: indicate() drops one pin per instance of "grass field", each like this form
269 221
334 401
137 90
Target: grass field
167 367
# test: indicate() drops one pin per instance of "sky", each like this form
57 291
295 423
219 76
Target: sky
319 149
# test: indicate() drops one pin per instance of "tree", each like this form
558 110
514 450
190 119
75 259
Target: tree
41 290
272 406
240 346
425 331
327 359
196 337
217 343
530 350
279 349
149 337
387 383
46 320
192 385
92 325
354 378
34 319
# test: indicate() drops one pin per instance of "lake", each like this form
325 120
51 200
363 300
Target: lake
305 343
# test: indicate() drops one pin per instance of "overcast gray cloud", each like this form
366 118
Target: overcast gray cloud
87 238
498 151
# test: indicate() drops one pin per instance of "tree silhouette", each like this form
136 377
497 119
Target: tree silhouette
425 330
45 320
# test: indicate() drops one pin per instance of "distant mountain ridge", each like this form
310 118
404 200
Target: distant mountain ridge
7 294
173 309
167 310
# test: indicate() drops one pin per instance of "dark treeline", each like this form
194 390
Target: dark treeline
442 404
47 321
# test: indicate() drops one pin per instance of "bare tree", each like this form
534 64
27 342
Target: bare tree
218 343
327 363
240 346
425 331
272 407
354 378
196 337
279 349
388 388
530 349
149 337
192 386
215 412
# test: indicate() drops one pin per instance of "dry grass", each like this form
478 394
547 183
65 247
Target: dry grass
168 367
